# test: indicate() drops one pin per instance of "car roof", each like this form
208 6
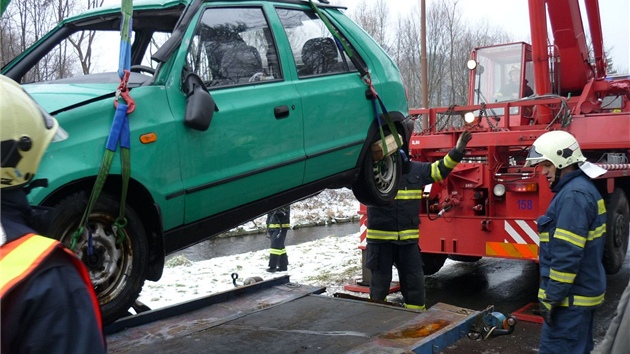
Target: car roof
157 4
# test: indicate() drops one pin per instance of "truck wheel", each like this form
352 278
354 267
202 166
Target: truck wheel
460 258
377 184
433 262
617 229
117 268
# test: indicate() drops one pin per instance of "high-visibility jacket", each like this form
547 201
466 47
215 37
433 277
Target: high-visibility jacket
23 257
399 221
572 238
279 218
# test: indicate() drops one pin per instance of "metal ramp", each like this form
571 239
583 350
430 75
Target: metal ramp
277 316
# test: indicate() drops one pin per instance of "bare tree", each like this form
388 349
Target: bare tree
27 21
373 19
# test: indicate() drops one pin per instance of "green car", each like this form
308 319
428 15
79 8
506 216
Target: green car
240 107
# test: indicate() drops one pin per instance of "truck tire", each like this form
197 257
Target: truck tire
460 258
377 184
117 269
617 229
433 262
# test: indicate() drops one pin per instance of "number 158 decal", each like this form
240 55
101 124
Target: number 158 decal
525 204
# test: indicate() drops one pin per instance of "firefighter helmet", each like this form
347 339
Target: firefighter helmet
558 147
26 132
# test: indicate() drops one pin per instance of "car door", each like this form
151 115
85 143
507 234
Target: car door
254 145
336 112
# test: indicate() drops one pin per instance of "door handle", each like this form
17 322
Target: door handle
281 112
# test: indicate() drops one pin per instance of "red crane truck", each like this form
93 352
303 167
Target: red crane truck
488 205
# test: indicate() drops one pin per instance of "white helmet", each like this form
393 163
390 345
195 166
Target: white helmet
558 147
26 132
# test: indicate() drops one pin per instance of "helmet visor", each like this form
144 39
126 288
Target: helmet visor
51 124
534 157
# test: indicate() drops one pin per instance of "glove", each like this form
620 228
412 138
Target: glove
547 310
462 141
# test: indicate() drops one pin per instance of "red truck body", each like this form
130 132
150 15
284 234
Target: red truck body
488 205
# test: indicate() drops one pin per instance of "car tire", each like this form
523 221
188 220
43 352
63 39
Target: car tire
117 269
377 184
617 229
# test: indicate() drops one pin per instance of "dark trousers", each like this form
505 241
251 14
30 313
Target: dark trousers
278 253
380 259
571 332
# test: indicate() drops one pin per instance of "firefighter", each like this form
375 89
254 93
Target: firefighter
278 223
393 230
572 237
47 301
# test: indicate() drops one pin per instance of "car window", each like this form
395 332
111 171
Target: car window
314 49
68 59
233 46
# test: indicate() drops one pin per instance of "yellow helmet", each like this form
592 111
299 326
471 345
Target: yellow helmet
558 147
25 132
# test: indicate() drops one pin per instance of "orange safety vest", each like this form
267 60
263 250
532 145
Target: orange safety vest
20 258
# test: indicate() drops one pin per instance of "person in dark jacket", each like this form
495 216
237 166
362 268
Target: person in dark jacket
393 230
511 90
278 223
617 340
572 238
48 304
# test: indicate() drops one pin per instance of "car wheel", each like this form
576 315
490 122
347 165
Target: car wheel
617 228
118 262
377 184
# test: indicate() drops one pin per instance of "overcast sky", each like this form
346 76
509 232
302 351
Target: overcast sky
513 16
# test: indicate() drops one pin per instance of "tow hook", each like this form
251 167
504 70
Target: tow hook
485 225
247 281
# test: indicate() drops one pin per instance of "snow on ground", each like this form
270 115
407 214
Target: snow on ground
332 261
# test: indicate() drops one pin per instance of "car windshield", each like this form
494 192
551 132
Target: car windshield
91 45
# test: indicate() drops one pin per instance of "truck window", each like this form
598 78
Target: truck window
314 48
233 46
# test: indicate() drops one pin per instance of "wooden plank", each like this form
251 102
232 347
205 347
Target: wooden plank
390 142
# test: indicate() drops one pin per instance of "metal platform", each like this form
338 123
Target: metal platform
277 316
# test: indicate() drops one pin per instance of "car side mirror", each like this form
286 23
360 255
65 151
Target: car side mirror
200 106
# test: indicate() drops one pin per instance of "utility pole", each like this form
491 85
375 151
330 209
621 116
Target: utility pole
423 63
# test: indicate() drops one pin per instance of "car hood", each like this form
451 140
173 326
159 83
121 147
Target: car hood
56 97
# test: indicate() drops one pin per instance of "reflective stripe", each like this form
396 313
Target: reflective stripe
278 226
578 300
449 162
598 232
409 194
20 257
562 276
601 207
278 252
409 234
435 171
392 235
587 301
570 237
416 307
544 236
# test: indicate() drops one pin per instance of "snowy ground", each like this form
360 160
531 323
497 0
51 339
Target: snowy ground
332 261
